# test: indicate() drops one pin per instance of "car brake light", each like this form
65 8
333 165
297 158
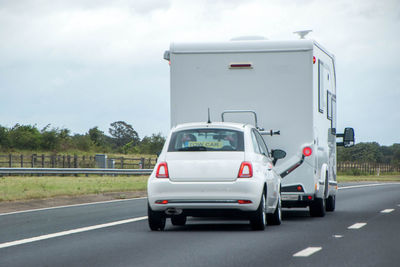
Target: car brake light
162 170
246 170
307 151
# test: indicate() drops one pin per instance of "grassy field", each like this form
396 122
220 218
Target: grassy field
23 188
34 187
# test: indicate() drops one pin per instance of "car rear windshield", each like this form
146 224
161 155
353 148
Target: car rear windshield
206 140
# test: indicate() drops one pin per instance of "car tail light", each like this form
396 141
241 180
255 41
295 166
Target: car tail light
244 201
162 202
307 151
246 170
162 170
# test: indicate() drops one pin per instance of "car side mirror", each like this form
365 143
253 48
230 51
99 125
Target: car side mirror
348 138
277 154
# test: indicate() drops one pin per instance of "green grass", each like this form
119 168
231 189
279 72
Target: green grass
369 178
24 188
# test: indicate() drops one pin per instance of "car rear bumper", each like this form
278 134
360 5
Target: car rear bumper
204 195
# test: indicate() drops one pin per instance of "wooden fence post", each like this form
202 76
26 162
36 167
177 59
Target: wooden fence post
33 158
10 160
75 161
122 162
43 160
69 161
141 163
22 161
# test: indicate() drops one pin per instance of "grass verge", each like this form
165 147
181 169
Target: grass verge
30 187
368 178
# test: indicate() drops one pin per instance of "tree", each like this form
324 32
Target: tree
97 136
152 144
123 133
25 137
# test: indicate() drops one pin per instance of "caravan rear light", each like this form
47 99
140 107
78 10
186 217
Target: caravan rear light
246 170
313 60
307 151
299 188
162 170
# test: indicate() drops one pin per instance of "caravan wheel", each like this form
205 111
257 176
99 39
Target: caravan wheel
317 208
330 203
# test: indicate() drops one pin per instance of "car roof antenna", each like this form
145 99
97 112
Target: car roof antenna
209 120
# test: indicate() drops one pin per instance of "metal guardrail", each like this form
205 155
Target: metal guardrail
74 171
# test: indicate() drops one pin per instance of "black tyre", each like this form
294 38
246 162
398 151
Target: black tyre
178 220
317 208
156 219
276 217
259 219
331 203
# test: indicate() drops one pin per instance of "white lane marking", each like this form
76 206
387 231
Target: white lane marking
365 185
307 252
73 205
357 226
387 211
69 232
337 236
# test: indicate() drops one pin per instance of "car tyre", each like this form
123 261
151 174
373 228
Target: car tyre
258 219
178 220
317 208
156 219
276 217
331 203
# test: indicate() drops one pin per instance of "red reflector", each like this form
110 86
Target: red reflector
299 188
161 201
307 151
246 170
162 170
309 197
313 60
241 201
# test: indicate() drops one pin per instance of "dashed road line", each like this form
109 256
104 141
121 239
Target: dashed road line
307 252
69 232
357 226
387 211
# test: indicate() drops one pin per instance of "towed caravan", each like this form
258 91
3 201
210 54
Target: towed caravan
291 85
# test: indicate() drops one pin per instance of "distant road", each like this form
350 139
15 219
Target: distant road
363 231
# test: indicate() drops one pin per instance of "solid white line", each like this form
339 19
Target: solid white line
72 205
307 252
357 226
387 211
366 185
69 232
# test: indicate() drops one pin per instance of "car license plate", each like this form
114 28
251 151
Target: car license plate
290 197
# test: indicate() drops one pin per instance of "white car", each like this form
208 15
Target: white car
215 169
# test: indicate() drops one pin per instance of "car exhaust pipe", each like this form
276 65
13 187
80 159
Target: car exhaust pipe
173 211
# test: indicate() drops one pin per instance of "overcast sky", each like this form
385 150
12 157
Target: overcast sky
80 64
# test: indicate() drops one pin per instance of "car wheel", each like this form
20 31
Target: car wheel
317 208
156 219
276 217
330 203
258 219
178 220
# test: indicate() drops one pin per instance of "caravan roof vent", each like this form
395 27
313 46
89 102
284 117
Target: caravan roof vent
249 38
302 34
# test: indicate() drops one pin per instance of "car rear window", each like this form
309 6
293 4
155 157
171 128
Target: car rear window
206 140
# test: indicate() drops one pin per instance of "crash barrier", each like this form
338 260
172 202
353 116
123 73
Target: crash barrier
73 171
74 161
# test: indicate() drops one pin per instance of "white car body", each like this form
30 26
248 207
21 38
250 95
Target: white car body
208 182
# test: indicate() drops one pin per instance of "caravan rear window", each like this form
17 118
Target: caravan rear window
206 140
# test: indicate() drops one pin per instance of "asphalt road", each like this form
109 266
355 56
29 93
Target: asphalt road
116 234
